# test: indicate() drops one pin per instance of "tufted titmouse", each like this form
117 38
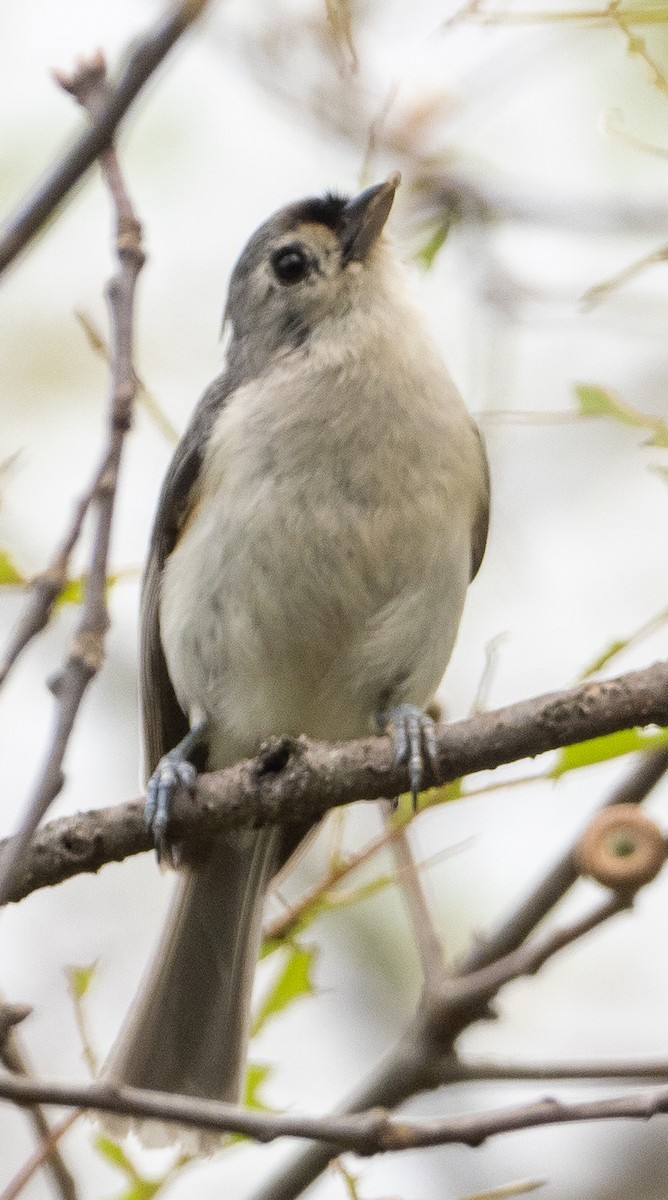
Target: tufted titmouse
316 532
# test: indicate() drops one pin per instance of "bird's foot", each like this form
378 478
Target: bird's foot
414 734
174 771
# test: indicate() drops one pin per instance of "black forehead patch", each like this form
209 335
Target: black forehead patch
319 210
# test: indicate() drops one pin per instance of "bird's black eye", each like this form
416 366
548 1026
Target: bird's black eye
290 264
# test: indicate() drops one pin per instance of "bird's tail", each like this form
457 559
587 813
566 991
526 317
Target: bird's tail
188 1027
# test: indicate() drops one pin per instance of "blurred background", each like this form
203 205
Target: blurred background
536 146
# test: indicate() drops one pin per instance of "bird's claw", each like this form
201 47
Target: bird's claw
172 772
414 739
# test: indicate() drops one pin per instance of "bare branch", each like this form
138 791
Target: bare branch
298 781
365 1133
14 1058
86 654
465 998
46 1152
563 874
483 1071
142 59
427 937
411 1066
289 921
46 588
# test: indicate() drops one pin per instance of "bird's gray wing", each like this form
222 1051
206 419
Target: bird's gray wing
481 524
163 721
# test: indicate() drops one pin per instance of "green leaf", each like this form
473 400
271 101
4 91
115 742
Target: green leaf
660 435
74 591
598 750
145 1189
662 472
294 982
403 813
351 1181
442 795
308 917
10 576
428 253
603 659
115 1154
257 1075
271 946
600 402
80 979
140 1188
620 644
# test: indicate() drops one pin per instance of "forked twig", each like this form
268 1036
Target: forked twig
86 654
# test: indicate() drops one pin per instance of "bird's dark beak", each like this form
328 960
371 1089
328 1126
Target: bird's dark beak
364 218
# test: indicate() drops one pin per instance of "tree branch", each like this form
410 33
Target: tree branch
412 1066
425 932
483 1071
86 654
13 1057
142 59
298 781
365 1133
290 921
552 887
46 1153
457 1002
46 588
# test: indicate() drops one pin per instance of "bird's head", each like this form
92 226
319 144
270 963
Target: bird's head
310 265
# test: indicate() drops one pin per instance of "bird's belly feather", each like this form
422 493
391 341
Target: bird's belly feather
308 588
300 626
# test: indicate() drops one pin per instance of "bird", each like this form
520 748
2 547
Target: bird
315 536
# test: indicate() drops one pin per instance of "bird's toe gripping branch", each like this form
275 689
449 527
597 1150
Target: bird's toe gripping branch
414 733
174 771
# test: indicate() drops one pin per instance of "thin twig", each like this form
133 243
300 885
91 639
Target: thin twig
653 15
427 937
483 1071
554 884
365 1133
14 1058
86 654
77 997
43 1155
285 923
145 396
459 1000
142 59
298 781
410 1066
637 46
601 291
46 588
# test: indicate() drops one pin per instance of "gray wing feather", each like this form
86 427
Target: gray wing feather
481 525
163 720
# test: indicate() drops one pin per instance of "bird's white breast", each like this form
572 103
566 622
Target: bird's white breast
323 570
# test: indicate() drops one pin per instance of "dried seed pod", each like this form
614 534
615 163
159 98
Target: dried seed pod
622 848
